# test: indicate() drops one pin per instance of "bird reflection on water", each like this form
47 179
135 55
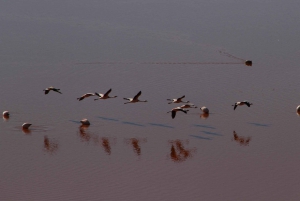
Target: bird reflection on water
204 116
50 145
86 136
84 133
26 131
106 145
178 152
135 142
5 118
243 141
105 142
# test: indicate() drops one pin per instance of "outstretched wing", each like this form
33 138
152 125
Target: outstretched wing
235 105
106 94
185 111
173 114
181 97
57 90
137 96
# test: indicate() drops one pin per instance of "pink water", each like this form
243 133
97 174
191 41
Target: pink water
137 151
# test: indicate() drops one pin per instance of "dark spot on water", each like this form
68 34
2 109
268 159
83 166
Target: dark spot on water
204 126
108 119
132 123
200 137
211 133
161 125
262 125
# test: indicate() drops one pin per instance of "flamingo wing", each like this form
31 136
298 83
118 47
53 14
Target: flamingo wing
106 94
137 96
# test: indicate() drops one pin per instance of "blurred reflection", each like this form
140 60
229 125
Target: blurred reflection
106 145
135 142
26 131
243 141
50 146
105 142
204 115
178 152
84 134
5 117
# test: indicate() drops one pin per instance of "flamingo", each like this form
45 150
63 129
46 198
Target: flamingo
177 100
298 109
135 99
51 88
176 109
105 96
241 103
85 96
26 125
205 110
85 122
188 106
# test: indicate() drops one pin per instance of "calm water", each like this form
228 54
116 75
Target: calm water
137 151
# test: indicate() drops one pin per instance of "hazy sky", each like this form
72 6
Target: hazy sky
164 30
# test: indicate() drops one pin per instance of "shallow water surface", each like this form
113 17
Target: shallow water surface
137 151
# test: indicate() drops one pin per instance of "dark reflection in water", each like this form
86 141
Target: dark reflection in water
5 117
204 126
161 125
84 134
26 131
108 119
135 142
105 142
50 146
178 152
200 137
106 145
258 124
204 116
132 123
243 141
77 122
32 129
211 133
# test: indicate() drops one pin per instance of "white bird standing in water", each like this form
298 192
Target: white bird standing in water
5 113
26 125
51 88
176 109
85 96
188 106
205 110
241 103
135 99
104 96
177 100
85 122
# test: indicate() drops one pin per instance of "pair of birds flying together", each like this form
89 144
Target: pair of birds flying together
106 96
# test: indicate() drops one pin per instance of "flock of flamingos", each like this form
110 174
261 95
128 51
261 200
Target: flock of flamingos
135 99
